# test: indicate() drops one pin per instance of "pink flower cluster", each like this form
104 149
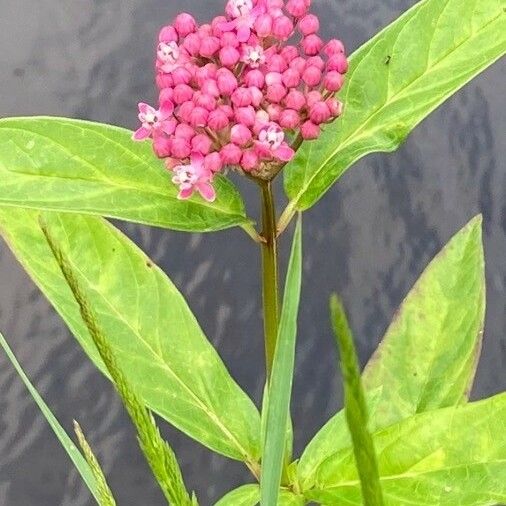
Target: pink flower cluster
241 91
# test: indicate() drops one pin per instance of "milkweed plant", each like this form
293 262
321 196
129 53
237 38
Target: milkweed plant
257 92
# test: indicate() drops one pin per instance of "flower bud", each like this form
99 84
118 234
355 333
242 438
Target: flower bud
217 120
297 8
257 96
245 116
335 107
180 148
289 119
312 97
192 44
227 110
227 82
333 81
185 131
333 47
277 63
255 78
312 76
242 97
185 111
202 144
211 88
309 24
213 162
295 100
203 100
316 61
162 146
263 25
216 25
291 78
164 81
249 160
181 75
274 111
168 34
182 93
185 24
319 113
276 93
198 117
289 53
273 78
229 39
209 46
338 62
312 45
299 64
231 154
282 28
240 135
166 95
229 56
310 131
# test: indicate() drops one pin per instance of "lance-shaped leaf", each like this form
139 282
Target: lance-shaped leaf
75 456
151 330
356 409
90 168
104 492
428 357
158 453
446 457
395 81
249 495
280 385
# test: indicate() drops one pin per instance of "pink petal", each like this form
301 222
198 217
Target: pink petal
141 134
197 160
243 33
169 126
166 109
207 191
285 153
228 27
144 108
185 194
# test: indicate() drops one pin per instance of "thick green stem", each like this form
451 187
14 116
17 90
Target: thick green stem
269 274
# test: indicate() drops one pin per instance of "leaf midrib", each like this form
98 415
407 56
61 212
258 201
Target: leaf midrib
356 134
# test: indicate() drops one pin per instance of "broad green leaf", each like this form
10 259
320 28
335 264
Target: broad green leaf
75 456
103 490
429 354
158 453
395 81
89 168
249 495
280 385
356 409
447 457
333 436
155 337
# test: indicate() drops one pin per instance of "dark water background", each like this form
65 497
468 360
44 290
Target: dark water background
369 239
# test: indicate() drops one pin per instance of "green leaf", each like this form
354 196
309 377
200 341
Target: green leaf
155 337
89 168
158 453
333 436
395 81
104 492
445 457
356 408
75 456
429 354
249 495
280 385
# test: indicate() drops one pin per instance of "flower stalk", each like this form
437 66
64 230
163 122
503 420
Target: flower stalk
270 293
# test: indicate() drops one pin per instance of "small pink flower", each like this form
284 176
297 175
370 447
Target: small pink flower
154 120
194 177
168 55
239 8
185 24
253 56
168 34
244 16
272 139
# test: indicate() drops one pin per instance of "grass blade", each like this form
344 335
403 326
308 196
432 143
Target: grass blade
158 453
356 408
75 456
105 494
278 405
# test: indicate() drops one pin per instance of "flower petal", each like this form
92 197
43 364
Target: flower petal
141 134
185 193
207 191
285 153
